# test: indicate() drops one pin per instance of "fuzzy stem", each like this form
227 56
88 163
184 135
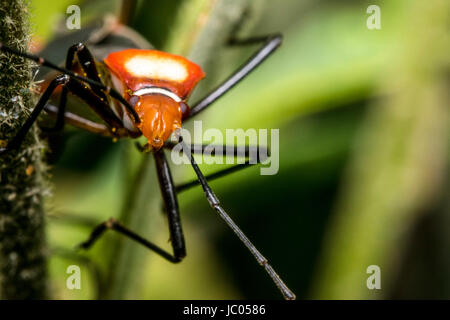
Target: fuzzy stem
22 241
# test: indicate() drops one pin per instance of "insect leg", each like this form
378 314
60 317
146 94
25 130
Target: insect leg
213 176
171 203
96 103
18 138
244 151
113 224
87 63
271 43
79 90
237 151
215 204
94 84
80 122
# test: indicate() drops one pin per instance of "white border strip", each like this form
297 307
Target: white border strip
163 91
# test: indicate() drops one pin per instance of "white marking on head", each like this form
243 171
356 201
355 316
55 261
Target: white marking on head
156 68
150 90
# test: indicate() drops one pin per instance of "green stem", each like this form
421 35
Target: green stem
22 238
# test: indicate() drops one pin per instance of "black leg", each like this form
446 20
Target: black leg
271 43
215 204
96 103
82 123
59 124
213 176
113 224
18 138
252 153
171 206
87 63
94 84
78 89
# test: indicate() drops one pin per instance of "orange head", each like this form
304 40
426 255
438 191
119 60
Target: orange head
156 84
160 116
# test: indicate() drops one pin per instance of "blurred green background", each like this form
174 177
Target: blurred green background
363 178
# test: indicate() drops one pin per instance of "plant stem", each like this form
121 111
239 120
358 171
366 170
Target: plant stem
22 241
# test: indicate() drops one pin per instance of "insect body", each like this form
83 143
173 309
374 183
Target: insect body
144 92
156 84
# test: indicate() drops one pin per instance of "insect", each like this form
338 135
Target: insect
145 92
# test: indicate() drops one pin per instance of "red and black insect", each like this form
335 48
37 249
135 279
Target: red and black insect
144 92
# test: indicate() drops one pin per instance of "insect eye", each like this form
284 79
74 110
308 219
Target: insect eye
134 100
184 109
